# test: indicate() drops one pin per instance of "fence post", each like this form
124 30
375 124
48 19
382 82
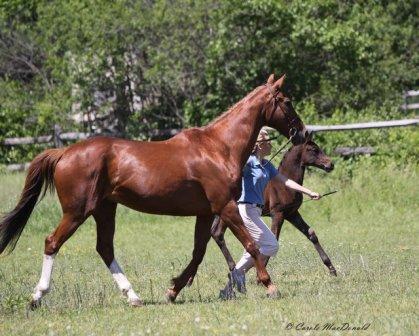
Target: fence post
57 136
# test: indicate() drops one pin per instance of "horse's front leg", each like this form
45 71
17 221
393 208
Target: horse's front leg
217 232
301 225
231 216
202 236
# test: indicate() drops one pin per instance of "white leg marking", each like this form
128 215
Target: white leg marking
43 285
123 283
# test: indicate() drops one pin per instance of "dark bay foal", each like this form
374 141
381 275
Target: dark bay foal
283 203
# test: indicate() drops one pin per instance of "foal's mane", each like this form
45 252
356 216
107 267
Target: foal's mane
286 154
237 105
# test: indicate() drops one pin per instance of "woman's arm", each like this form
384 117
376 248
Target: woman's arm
295 186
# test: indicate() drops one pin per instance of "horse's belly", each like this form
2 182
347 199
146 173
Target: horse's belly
187 199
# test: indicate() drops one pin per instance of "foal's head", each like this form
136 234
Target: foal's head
279 112
312 155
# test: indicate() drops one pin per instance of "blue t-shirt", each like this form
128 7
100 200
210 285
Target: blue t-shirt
256 176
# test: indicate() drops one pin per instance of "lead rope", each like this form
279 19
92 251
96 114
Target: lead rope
292 135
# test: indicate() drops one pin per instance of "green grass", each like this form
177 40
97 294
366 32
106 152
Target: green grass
369 229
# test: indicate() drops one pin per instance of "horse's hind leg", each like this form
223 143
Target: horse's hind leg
104 216
301 225
202 236
68 225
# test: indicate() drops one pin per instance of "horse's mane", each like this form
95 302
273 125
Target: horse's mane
236 105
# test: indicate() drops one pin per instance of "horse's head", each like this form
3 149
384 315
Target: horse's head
280 114
312 155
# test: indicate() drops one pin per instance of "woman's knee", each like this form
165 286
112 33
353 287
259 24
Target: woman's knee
270 249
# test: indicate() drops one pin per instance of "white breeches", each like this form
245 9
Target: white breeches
259 231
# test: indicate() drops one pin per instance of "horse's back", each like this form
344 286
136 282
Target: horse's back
152 177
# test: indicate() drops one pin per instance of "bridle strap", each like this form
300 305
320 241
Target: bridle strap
276 100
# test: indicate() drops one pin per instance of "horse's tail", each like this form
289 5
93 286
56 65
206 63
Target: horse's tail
41 171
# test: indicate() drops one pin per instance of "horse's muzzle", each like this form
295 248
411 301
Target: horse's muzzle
329 168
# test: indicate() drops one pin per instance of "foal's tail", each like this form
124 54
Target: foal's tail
41 171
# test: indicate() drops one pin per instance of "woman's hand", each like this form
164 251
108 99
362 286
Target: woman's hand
314 196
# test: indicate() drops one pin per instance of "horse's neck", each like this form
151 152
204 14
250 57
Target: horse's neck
291 166
238 130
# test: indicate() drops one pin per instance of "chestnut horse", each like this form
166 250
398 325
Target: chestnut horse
283 203
195 173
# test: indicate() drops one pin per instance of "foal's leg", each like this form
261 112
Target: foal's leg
277 222
276 226
301 225
202 236
231 216
105 226
218 230
236 277
68 225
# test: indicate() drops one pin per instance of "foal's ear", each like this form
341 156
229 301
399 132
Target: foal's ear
278 84
309 136
270 79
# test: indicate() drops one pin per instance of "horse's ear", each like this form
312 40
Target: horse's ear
270 79
278 84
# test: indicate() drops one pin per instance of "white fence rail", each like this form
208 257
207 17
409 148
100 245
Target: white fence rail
73 136
363 126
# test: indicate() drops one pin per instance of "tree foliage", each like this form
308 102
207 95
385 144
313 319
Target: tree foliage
135 66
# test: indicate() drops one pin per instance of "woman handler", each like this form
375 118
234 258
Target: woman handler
256 174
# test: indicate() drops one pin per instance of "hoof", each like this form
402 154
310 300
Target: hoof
272 292
34 304
135 303
333 272
170 295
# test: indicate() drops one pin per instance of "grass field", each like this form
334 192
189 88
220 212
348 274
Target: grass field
369 229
